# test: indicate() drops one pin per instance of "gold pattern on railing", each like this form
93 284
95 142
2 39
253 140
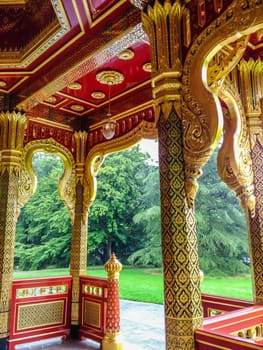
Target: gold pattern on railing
255 332
40 291
92 290
42 314
92 314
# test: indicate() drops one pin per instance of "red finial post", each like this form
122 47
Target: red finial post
112 338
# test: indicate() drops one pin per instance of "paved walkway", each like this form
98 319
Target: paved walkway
142 328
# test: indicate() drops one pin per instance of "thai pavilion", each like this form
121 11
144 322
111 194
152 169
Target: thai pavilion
183 71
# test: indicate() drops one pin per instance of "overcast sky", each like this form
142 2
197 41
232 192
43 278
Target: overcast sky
151 147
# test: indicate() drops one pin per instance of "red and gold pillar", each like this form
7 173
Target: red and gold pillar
12 127
183 312
78 256
250 77
112 339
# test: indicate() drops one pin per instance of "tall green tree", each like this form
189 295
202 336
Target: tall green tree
44 228
221 225
111 227
149 222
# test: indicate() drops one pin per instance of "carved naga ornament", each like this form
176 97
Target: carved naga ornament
203 82
28 179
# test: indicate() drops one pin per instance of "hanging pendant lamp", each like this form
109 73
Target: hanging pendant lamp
109 77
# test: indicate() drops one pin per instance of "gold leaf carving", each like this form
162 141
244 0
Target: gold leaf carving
235 150
28 181
202 79
250 74
12 126
162 24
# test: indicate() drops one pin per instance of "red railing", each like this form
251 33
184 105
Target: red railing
215 305
236 330
40 309
93 307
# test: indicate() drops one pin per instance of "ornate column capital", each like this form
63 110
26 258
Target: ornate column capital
250 76
162 23
81 153
12 126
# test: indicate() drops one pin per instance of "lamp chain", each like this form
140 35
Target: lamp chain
109 109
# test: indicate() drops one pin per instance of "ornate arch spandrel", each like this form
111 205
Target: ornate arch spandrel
251 89
28 179
234 161
98 153
201 108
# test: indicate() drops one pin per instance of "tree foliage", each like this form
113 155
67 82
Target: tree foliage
221 225
44 229
125 218
119 186
149 222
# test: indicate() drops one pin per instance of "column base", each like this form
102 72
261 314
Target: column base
112 341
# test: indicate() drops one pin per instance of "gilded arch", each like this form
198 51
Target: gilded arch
28 180
202 85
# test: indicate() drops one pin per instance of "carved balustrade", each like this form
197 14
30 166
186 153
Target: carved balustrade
40 309
93 307
236 330
215 305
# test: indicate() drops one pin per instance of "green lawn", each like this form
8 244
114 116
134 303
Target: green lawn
147 284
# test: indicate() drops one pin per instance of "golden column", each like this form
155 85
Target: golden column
78 256
250 76
183 312
112 338
12 126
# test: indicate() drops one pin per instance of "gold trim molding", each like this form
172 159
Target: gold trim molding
27 56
